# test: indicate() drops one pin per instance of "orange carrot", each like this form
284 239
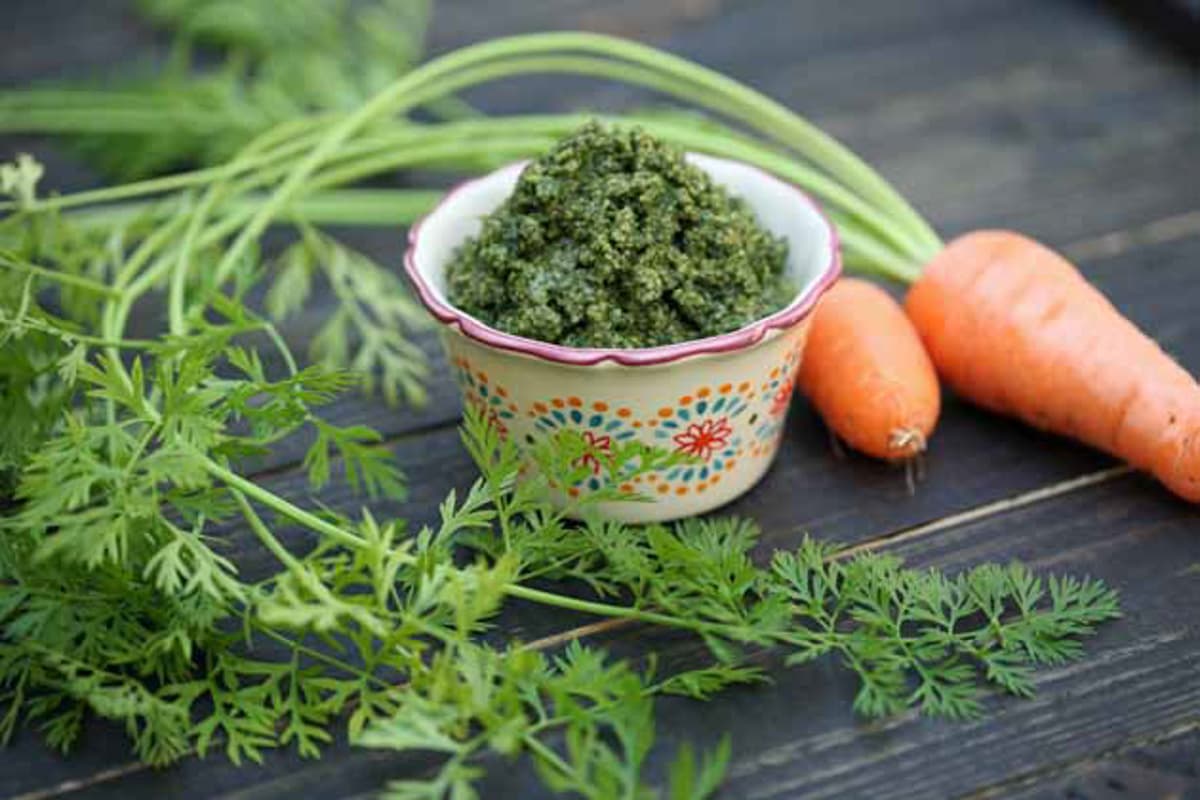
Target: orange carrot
867 374
1014 327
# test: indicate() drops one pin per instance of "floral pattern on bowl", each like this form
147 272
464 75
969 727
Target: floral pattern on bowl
600 424
774 399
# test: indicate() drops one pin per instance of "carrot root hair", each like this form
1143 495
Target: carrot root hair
909 442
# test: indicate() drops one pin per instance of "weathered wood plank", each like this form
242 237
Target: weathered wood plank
1166 768
100 32
1134 681
798 738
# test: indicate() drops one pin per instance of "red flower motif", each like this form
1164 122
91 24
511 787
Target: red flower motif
596 445
705 438
779 402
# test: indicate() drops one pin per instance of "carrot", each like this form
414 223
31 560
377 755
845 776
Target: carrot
1014 327
867 374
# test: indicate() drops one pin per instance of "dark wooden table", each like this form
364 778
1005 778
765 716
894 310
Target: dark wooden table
1050 116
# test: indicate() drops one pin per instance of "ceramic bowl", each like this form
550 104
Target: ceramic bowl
722 399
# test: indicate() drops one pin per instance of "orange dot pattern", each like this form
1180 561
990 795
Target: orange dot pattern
484 396
761 400
773 399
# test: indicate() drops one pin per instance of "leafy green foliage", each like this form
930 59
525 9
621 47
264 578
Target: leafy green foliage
479 699
365 336
31 394
921 638
120 593
914 637
116 597
690 779
369 331
118 581
278 62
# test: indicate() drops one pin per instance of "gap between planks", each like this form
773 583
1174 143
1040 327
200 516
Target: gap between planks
79 784
985 511
1110 245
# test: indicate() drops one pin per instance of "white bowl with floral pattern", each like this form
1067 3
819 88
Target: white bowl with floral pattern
722 400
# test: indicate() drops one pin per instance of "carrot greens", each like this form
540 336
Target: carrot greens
235 69
147 579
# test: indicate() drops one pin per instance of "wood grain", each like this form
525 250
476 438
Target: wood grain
1167 767
980 115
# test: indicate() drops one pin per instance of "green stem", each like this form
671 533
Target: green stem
199 217
281 345
70 336
66 278
116 310
552 758
869 198
269 541
861 248
366 207
610 610
437 152
103 119
308 127
805 137
725 142
404 93
505 57
277 503
351 207
325 658
179 271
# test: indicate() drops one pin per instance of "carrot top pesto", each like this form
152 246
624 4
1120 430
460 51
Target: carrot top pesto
611 239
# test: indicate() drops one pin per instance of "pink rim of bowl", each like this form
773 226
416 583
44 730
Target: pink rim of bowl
800 306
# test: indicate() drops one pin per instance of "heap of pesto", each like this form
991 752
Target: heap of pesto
612 239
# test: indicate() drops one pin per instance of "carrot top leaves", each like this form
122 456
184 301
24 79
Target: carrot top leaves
121 593
914 638
265 63
922 638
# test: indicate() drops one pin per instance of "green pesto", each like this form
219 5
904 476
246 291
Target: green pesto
612 239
